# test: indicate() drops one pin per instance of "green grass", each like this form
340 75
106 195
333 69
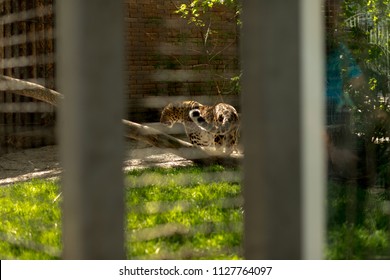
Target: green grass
186 213
180 213
171 213
30 221
358 228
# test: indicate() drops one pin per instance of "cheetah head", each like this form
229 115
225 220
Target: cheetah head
177 112
168 115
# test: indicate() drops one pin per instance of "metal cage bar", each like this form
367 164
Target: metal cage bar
283 177
90 74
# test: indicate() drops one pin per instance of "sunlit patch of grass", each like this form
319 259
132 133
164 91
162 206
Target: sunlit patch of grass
200 212
30 221
185 213
187 217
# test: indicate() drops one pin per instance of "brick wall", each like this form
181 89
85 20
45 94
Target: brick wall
167 57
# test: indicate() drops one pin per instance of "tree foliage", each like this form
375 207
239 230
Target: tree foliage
204 16
367 26
369 35
195 9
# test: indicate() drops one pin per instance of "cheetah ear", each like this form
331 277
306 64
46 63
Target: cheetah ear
169 106
194 113
196 117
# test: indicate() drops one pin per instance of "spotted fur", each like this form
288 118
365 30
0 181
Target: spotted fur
222 121
209 126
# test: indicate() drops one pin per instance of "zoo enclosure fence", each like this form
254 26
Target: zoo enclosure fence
93 150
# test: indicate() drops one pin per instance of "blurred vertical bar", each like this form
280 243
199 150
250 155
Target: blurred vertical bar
312 53
90 49
275 91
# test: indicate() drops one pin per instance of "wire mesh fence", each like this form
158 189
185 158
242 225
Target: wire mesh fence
27 53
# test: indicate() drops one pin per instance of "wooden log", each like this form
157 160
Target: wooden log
29 89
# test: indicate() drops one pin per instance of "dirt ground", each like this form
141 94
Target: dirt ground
44 162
